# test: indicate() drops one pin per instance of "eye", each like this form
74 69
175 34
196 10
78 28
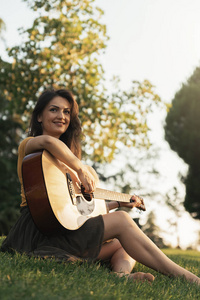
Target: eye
67 112
53 109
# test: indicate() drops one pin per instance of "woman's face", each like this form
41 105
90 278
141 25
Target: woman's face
55 117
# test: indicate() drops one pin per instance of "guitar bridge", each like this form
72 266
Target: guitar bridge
71 189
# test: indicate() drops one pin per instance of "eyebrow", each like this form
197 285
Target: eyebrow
58 106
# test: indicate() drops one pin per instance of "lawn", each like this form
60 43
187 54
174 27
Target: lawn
24 278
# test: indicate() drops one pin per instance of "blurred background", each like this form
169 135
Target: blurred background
134 69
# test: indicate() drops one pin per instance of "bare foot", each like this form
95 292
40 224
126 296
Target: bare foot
191 277
195 280
138 276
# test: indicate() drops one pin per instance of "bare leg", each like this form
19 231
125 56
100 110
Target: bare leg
121 263
120 225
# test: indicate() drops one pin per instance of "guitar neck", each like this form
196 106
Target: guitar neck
109 195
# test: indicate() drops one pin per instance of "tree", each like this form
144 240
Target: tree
182 131
10 134
2 27
153 231
175 203
61 49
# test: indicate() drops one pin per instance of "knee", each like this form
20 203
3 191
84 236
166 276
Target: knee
123 214
125 218
116 224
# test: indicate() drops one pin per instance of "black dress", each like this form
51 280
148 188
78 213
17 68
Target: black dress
84 242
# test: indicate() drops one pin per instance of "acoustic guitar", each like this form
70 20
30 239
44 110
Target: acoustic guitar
55 202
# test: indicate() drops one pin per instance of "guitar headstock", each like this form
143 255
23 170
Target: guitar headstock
139 201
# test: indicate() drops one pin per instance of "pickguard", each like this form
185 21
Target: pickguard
84 207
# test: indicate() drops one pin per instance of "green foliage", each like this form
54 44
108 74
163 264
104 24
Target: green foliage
10 132
182 131
153 231
175 203
62 49
2 27
32 278
192 198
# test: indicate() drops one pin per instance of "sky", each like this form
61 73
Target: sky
158 40
154 39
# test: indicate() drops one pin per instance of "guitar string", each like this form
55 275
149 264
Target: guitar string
110 195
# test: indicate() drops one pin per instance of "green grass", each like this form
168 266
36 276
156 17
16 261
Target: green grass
30 278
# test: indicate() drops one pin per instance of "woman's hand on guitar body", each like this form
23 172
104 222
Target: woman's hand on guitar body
87 179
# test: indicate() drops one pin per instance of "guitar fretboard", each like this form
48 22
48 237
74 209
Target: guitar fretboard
110 195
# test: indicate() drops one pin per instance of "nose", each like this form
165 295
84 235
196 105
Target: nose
60 114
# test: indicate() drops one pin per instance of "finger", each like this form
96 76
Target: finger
89 188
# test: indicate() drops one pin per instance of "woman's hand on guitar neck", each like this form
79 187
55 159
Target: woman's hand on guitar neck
128 204
136 202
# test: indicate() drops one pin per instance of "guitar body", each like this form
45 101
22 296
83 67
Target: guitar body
51 196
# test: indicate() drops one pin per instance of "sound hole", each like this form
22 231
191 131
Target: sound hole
87 196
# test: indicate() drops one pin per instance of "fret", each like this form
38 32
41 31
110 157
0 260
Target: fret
115 196
110 195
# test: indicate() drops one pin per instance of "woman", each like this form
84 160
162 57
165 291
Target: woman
55 127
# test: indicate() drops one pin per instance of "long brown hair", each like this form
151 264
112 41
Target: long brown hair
72 136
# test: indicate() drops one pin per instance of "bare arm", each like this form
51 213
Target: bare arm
58 149
116 204
112 205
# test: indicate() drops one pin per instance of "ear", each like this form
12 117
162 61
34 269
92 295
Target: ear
39 118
